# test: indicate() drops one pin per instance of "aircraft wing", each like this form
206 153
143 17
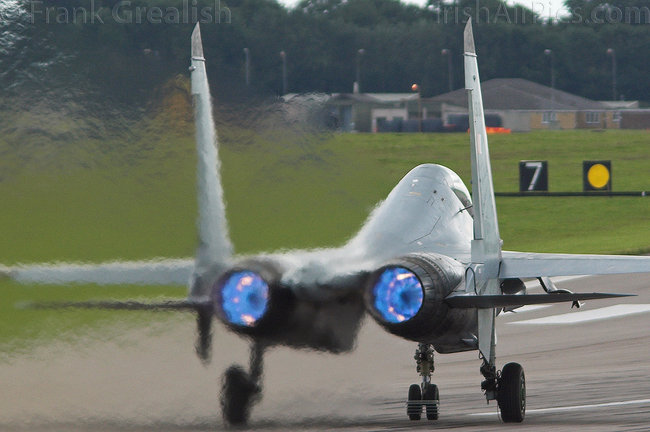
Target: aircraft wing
526 264
542 265
497 301
154 272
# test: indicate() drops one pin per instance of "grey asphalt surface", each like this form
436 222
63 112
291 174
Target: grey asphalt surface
132 377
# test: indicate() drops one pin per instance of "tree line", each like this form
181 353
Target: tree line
123 50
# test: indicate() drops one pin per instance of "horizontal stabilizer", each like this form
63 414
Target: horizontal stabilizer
527 264
496 301
154 272
165 305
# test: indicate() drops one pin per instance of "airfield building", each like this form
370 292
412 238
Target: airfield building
513 103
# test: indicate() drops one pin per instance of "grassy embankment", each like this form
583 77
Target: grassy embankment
108 200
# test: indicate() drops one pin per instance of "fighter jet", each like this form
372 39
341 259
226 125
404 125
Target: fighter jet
427 266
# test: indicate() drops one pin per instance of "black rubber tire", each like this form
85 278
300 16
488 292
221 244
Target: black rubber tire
414 404
511 393
237 394
431 393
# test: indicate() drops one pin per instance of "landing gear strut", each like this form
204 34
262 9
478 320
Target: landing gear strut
241 390
490 384
204 338
424 395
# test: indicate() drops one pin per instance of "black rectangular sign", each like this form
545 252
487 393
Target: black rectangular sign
533 176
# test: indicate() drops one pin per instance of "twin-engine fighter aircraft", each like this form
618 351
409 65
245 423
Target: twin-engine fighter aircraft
427 266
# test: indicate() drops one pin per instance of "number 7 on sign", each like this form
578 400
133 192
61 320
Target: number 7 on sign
538 169
533 176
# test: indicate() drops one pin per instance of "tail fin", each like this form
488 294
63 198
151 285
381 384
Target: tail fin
482 275
215 248
487 242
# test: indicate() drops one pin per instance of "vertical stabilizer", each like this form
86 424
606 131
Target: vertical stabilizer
215 248
486 226
486 246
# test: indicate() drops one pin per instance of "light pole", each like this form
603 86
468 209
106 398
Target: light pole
416 88
611 52
360 53
283 56
247 65
549 53
450 70
552 120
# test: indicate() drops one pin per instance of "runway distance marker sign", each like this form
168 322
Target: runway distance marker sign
597 175
533 176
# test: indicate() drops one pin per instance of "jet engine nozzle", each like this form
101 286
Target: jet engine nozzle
249 298
244 298
406 295
397 294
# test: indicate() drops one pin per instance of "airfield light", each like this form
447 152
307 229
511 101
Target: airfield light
397 295
244 298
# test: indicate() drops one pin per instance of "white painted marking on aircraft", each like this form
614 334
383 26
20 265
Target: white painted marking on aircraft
573 407
590 315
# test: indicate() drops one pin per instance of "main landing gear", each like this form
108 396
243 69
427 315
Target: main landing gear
242 389
508 388
423 395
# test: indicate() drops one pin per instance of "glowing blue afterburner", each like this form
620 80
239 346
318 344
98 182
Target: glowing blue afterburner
244 298
397 295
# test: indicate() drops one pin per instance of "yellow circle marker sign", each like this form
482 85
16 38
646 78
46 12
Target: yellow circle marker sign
598 176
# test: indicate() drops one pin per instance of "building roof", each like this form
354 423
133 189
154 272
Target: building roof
621 104
393 97
305 97
520 94
374 98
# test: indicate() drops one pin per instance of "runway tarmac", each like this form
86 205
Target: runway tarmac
588 375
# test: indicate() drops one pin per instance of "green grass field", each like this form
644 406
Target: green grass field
108 200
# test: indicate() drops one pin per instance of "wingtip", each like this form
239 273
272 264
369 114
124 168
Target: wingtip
197 44
468 37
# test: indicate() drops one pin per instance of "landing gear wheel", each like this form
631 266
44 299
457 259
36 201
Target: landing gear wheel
431 394
238 393
511 394
414 404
